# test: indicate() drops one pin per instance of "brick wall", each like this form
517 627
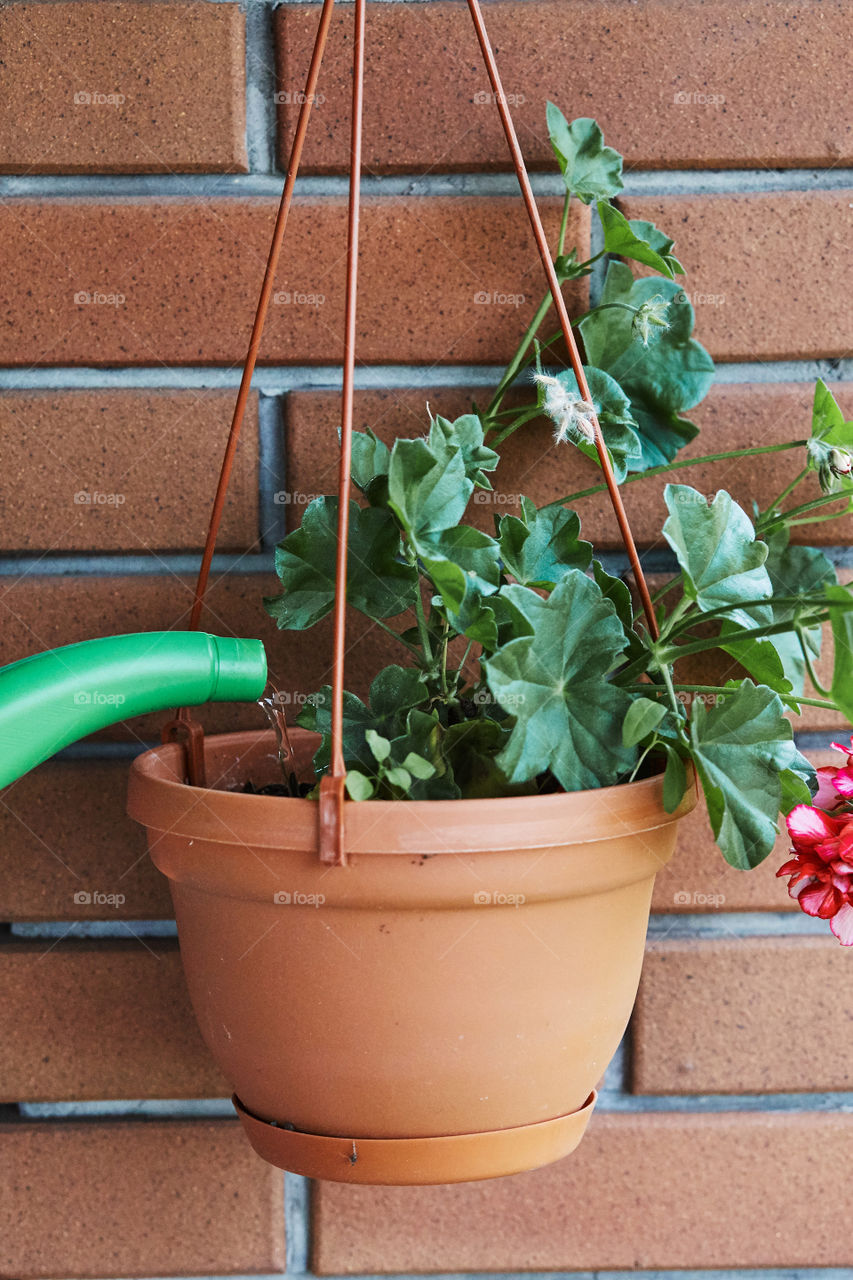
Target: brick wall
140 144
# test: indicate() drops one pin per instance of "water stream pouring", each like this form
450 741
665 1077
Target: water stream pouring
50 700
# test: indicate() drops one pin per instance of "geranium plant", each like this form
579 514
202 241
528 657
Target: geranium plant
524 664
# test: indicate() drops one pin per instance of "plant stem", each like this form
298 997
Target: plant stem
412 648
674 654
532 329
715 689
788 490
762 526
676 466
809 668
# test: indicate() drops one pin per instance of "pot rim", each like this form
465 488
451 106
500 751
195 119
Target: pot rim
161 801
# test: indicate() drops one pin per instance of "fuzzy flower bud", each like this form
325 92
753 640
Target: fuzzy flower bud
573 418
650 316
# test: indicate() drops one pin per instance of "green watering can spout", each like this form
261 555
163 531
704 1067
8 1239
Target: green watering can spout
54 698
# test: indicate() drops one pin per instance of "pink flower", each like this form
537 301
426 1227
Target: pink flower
835 786
821 871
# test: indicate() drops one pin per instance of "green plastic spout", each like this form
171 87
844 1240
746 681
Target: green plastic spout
54 698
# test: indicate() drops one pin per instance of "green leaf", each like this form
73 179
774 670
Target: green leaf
662 380
421 738
472 748
758 656
428 489
568 717
380 746
359 786
394 691
591 170
830 447
370 459
619 595
538 546
418 767
464 566
642 718
674 779
466 434
795 790
379 584
613 410
841 620
316 715
740 747
399 777
640 241
723 565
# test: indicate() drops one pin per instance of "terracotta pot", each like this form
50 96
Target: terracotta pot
440 1009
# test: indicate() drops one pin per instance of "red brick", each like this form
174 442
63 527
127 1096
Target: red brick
731 417
717 1016
123 471
593 59
168 82
778 303
641 1192
184 278
136 1199
95 1020
64 831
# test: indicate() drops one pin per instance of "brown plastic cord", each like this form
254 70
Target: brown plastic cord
562 312
332 793
332 787
183 727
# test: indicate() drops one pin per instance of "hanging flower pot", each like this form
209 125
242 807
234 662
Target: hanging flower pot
439 1009
414 949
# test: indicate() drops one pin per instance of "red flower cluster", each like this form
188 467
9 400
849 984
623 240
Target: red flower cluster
821 871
